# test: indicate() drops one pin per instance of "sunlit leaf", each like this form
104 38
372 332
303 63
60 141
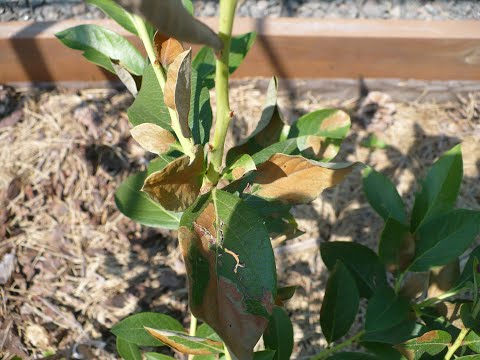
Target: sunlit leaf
431 343
177 186
166 49
106 42
287 147
127 350
153 138
99 59
279 334
171 18
332 123
318 147
230 267
243 165
472 340
340 303
117 13
373 142
205 331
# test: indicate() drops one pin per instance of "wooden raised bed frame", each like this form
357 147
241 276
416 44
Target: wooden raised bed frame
286 47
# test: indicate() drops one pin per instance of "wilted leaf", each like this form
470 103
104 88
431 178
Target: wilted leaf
331 123
117 13
439 189
153 138
444 238
178 89
172 19
340 303
386 309
443 278
243 165
296 180
106 42
177 186
138 206
397 246
362 262
230 267
431 343
127 350
132 328
318 147
186 344
279 334
166 49
125 77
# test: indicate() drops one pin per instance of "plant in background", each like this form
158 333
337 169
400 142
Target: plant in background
226 212
432 311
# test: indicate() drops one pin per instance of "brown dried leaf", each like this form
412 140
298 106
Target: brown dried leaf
443 278
153 138
414 285
296 180
166 49
172 19
177 89
177 185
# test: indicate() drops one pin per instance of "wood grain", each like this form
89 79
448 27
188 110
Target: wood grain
286 47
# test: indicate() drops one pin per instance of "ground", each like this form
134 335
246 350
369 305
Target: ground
78 265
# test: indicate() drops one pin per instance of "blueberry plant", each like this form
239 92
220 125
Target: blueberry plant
228 207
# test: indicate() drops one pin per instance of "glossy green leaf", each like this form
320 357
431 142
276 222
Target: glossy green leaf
149 106
128 350
396 247
117 13
444 238
230 267
340 303
352 356
431 343
383 196
467 274
440 188
472 340
331 123
385 309
363 263
264 355
287 147
279 334
107 42
99 59
157 356
138 206
132 328
399 333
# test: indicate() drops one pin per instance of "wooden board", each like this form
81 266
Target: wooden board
286 47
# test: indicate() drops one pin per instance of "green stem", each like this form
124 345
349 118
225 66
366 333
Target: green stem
193 330
399 281
187 143
224 114
433 301
458 342
327 352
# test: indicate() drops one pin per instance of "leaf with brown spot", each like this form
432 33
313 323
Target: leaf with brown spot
166 49
331 123
153 138
242 166
431 343
177 186
296 180
178 89
187 344
172 19
318 147
443 278
230 269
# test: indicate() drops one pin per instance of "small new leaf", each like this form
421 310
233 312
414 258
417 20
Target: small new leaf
178 89
153 138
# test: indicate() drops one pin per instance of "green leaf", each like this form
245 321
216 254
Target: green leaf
383 351
318 147
286 292
383 196
107 42
472 340
340 303
99 59
138 206
362 262
404 331
242 166
157 356
188 5
149 106
468 319
396 246
385 310
230 268
444 238
331 123
279 334
352 356
468 271
133 330
127 350
117 13
373 142
200 116
439 189
287 147
264 355
205 331
204 62
469 357
431 343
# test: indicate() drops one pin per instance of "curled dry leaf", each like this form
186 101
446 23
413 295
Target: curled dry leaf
186 344
125 77
166 49
178 89
172 19
153 138
177 186
296 180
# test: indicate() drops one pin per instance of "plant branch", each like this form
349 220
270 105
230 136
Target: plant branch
224 114
327 352
458 342
193 330
187 143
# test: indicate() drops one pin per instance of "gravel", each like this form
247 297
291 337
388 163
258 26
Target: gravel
51 10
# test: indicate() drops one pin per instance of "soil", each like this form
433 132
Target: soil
74 266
